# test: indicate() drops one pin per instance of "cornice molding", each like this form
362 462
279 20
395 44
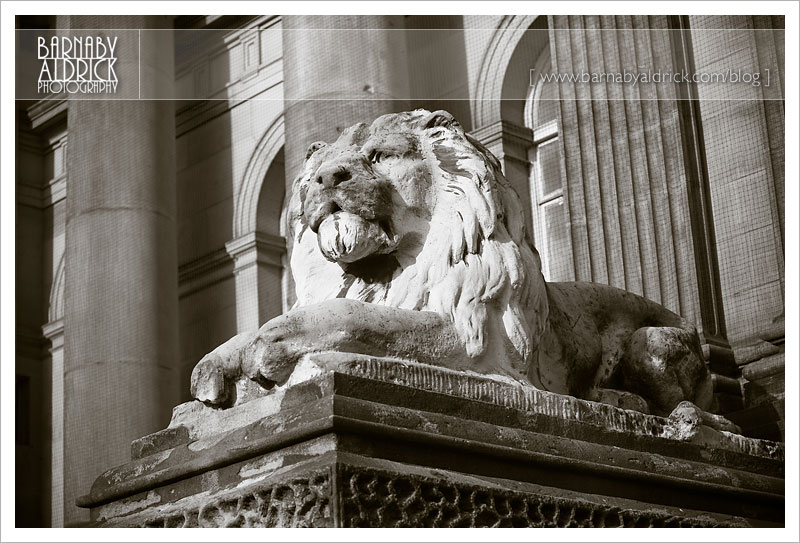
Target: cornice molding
46 113
256 248
506 139
203 272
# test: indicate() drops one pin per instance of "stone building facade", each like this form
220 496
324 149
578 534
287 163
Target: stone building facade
149 231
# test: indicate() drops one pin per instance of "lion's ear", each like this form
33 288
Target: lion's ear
440 118
314 147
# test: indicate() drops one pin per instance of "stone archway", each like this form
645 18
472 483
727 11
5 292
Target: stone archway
245 214
500 95
489 87
257 248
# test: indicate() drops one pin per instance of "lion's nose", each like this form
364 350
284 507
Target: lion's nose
350 165
331 175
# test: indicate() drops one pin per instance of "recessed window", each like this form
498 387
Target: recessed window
550 233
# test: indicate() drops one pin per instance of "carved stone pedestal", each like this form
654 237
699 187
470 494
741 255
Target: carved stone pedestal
357 441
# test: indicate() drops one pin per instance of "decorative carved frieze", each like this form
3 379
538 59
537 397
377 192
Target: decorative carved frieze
373 498
300 502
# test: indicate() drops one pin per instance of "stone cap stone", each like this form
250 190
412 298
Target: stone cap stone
200 421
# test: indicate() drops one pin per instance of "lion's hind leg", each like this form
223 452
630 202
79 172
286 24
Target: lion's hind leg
663 365
607 385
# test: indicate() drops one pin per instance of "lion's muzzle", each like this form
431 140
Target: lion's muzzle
344 237
349 207
347 183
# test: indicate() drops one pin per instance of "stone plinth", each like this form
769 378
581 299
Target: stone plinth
359 441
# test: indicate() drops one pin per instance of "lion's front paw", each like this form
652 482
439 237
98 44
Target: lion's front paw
214 377
271 356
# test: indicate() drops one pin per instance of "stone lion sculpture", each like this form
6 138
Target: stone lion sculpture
408 242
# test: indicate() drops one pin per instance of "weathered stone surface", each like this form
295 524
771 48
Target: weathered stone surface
158 441
415 436
470 385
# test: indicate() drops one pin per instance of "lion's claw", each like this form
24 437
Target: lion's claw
689 414
208 381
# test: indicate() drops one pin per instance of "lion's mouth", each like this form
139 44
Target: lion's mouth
323 211
346 238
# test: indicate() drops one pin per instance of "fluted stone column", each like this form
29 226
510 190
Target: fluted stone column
634 218
121 341
339 70
744 135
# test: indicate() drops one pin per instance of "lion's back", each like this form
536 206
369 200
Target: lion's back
609 303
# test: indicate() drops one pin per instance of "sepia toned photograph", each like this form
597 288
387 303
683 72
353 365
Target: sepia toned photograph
382 270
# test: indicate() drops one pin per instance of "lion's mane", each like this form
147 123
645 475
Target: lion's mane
477 266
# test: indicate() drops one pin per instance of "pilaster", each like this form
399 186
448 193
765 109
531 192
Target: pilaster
258 269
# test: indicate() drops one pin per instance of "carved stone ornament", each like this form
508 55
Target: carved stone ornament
407 242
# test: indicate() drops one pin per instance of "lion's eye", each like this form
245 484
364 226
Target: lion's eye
376 156
314 147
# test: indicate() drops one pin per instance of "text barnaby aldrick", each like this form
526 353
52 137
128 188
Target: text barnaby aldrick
77 65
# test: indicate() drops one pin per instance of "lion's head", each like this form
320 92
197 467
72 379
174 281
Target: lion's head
414 213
